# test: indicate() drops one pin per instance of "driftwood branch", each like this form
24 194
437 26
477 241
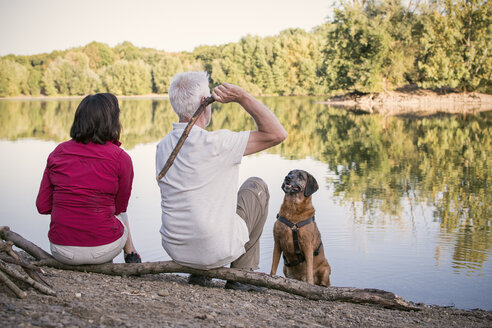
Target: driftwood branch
344 294
17 275
33 278
207 101
16 259
10 260
24 244
13 287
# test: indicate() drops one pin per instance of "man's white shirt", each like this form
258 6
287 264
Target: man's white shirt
200 227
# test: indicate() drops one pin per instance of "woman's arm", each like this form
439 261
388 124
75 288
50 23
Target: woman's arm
44 201
125 181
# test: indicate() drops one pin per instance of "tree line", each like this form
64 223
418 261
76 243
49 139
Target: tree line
366 46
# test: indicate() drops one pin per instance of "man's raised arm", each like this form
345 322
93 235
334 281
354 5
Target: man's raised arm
270 132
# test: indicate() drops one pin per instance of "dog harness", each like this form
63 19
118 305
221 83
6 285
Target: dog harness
297 250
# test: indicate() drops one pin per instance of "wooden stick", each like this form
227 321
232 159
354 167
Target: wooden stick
7 247
17 275
13 287
10 260
24 244
207 101
344 294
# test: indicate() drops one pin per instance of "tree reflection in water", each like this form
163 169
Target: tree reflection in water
380 163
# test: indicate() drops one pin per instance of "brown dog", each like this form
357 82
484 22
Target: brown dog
296 235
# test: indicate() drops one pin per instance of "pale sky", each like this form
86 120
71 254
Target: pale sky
35 26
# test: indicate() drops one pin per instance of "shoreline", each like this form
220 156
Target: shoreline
409 101
49 98
167 300
413 102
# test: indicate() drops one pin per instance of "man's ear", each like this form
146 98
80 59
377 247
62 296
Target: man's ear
311 185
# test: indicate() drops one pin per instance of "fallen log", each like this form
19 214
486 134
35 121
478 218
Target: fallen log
23 243
344 294
304 289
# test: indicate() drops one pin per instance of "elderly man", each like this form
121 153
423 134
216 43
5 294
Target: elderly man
206 222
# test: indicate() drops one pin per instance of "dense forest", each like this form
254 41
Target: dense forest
367 45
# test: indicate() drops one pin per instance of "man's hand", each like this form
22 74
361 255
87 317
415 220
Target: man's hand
227 92
270 132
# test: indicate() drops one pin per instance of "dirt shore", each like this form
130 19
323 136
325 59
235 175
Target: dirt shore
166 300
414 101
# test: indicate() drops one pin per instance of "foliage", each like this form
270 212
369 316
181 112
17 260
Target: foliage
368 46
70 75
454 44
164 66
371 46
282 65
13 78
100 55
127 78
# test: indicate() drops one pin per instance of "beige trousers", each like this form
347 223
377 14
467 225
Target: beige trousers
76 255
252 207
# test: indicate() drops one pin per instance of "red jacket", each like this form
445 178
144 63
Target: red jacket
83 188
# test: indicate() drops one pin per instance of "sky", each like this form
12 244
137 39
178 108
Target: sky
30 27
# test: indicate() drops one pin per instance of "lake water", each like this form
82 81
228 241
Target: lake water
404 205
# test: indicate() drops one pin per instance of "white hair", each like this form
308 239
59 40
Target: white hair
186 92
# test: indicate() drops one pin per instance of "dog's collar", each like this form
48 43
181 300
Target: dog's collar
295 226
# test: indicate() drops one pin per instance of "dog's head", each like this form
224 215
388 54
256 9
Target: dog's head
299 181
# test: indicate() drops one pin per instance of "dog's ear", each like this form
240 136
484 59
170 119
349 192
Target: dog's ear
311 185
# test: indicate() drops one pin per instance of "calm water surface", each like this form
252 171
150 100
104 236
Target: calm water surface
404 205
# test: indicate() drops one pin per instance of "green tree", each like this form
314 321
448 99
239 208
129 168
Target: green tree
34 81
128 78
455 44
356 50
302 56
100 55
207 54
285 64
371 46
127 51
163 71
70 75
13 78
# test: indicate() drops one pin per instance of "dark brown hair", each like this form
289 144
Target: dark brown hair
97 119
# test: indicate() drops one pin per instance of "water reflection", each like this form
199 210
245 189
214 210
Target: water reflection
385 170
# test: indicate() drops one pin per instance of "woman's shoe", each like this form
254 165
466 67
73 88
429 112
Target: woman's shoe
132 258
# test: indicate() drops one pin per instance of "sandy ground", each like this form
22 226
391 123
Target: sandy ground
166 300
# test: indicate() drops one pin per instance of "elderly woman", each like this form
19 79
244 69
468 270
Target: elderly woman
86 187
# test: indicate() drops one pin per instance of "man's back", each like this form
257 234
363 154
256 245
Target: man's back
200 227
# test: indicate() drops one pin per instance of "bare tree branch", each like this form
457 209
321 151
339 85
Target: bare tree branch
13 287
